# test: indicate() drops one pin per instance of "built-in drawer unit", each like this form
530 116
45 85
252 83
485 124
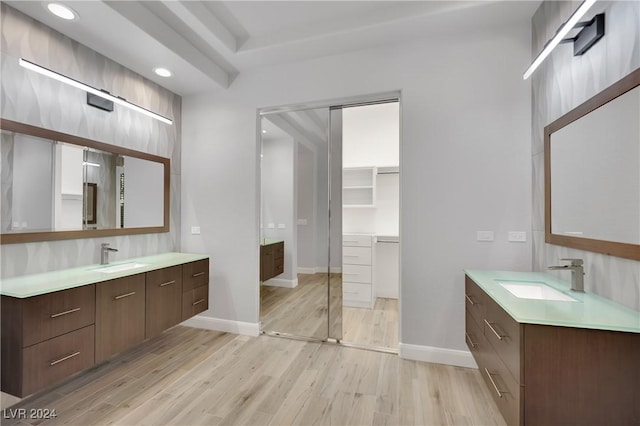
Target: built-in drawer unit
50 336
195 296
163 307
50 361
551 374
357 271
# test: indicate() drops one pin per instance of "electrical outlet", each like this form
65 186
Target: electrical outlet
517 236
484 235
195 230
281 226
271 226
302 221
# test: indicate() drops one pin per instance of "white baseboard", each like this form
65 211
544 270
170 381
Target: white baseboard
319 270
228 326
437 355
278 282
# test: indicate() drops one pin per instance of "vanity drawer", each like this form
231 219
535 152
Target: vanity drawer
356 255
474 299
195 301
356 274
474 337
163 303
504 389
356 240
195 274
53 314
49 362
356 292
278 250
504 335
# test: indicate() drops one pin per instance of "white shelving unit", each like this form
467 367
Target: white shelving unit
358 187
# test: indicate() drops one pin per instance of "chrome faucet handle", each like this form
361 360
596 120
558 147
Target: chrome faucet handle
574 262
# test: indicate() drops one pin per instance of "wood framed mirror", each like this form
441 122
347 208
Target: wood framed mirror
592 173
57 186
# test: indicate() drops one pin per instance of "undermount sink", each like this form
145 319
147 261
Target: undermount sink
119 268
535 290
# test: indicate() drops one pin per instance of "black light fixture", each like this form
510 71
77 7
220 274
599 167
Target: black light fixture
591 32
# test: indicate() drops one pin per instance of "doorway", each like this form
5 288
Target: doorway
302 246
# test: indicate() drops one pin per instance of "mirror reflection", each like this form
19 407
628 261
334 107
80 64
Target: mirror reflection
595 173
51 186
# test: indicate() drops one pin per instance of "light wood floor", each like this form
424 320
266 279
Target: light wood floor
302 311
188 376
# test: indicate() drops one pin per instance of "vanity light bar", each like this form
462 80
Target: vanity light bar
106 95
562 32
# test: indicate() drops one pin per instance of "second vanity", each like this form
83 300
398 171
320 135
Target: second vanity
59 323
550 356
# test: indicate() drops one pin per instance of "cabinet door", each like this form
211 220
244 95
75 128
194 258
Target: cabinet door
163 300
120 315
266 262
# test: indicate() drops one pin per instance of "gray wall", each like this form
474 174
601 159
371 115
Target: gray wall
559 85
465 155
34 99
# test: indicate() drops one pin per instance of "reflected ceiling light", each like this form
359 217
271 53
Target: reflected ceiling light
62 11
264 131
162 72
587 40
92 90
87 163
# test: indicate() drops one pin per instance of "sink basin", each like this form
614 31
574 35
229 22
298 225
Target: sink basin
535 290
120 268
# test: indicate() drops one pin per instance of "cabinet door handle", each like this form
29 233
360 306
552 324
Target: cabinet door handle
70 311
469 299
122 296
198 274
167 283
57 361
490 324
197 302
473 345
498 391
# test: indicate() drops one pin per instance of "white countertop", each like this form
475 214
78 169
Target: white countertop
48 282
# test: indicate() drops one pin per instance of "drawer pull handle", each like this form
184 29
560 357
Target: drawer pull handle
469 299
167 283
52 363
198 274
70 311
498 391
197 302
122 296
490 324
473 345
350 255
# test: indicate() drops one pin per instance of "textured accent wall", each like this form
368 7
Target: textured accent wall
28 97
559 85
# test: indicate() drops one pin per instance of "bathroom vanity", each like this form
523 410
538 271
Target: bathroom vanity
59 323
271 258
552 356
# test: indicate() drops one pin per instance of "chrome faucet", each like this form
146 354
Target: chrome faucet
577 273
104 253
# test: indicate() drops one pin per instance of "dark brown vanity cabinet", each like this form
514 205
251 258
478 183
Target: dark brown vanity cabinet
271 260
120 315
552 375
46 338
163 303
49 337
195 296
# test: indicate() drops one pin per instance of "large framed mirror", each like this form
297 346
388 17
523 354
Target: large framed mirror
592 173
57 186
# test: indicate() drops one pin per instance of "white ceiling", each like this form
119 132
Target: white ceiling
206 44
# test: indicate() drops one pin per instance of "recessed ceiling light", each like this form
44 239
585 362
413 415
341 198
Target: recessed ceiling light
162 72
264 131
62 11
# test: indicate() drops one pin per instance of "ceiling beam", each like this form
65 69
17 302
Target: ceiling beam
148 22
298 134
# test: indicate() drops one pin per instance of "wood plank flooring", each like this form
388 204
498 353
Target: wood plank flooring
302 311
188 376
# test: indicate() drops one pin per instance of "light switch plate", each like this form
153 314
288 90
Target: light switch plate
271 225
518 236
195 230
484 235
281 226
302 221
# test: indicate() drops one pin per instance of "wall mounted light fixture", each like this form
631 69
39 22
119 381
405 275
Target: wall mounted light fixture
92 91
591 32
